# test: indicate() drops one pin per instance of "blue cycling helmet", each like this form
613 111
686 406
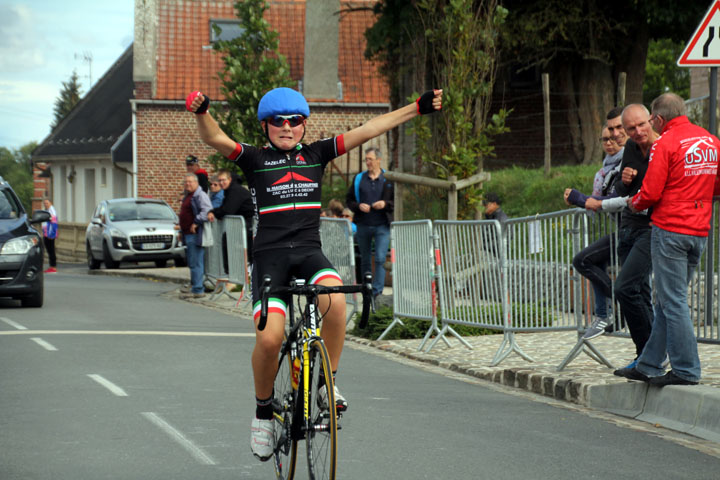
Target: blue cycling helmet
282 101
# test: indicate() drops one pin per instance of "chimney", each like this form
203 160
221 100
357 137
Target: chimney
322 22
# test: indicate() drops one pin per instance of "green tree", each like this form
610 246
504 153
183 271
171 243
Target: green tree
16 169
252 67
456 42
662 73
68 98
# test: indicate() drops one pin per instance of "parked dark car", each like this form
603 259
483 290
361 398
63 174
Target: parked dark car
133 230
21 250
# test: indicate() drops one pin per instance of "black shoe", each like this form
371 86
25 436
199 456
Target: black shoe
670 379
632 374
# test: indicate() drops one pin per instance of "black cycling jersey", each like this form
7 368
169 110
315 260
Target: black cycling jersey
286 190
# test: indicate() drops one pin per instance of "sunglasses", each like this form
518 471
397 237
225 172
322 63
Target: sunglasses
279 120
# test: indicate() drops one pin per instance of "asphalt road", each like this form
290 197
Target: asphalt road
115 378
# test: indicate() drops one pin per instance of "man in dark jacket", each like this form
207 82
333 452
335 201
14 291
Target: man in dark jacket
236 201
370 197
193 166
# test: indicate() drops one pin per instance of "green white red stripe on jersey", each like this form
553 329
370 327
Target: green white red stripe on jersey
323 275
290 206
275 305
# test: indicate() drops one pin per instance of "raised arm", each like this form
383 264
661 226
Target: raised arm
429 102
209 130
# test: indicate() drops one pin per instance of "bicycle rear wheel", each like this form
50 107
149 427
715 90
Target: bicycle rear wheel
283 412
321 437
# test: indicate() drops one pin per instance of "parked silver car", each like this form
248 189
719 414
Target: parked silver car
133 230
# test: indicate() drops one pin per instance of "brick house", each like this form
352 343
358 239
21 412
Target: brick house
174 56
88 156
171 56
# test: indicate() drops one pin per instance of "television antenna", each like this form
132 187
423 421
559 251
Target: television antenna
86 57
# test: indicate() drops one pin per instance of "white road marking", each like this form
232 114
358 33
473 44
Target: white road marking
47 346
108 384
197 452
13 324
124 332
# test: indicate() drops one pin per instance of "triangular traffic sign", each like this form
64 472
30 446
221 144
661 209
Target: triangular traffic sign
704 46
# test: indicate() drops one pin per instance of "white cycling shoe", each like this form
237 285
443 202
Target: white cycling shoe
262 438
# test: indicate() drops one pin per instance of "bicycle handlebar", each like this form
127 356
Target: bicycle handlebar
313 290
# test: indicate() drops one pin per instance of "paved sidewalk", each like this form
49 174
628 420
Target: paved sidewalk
691 409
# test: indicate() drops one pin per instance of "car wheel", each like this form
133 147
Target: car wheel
160 263
92 263
107 259
35 300
180 262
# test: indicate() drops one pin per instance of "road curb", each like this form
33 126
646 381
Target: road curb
692 410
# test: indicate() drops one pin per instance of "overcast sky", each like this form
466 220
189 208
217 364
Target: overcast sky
41 43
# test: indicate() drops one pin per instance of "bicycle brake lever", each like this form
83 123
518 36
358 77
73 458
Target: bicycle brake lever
264 291
368 301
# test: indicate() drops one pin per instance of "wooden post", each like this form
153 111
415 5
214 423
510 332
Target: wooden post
622 81
452 198
546 108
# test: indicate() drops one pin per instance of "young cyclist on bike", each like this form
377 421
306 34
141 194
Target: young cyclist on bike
285 180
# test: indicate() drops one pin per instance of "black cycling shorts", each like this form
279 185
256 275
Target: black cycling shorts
307 263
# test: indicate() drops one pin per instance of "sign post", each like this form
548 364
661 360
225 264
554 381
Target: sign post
703 50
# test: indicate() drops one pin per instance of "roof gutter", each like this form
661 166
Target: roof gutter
223 102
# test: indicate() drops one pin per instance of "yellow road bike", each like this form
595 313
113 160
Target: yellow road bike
299 414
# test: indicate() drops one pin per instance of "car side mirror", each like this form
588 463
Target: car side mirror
40 216
96 221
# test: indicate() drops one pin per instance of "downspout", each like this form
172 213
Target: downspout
134 148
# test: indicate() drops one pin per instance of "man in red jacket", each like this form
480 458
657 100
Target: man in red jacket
679 186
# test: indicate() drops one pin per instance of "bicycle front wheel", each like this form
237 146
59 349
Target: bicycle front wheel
321 435
283 412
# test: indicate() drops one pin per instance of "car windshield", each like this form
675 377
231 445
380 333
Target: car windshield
8 205
128 211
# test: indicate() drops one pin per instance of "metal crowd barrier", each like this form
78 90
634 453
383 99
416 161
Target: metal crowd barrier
236 238
413 275
214 268
470 276
232 228
337 244
518 277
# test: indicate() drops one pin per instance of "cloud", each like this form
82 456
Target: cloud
19 42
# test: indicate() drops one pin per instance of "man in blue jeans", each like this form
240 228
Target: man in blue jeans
632 286
193 213
678 185
370 197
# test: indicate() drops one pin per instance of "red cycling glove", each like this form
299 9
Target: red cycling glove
202 109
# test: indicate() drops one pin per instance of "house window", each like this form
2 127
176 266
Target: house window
224 30
103 177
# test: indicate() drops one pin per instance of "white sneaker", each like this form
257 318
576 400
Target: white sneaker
262 438
340 403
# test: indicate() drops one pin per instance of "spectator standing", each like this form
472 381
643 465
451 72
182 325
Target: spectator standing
217 194
50 231
336 208
632 286
193 213
237 201
493 211
192 165
370 197
679 185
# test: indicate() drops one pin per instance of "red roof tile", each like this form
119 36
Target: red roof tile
186 62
